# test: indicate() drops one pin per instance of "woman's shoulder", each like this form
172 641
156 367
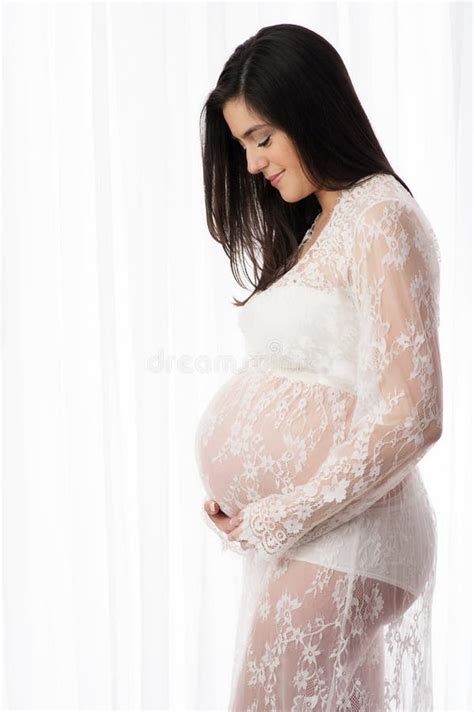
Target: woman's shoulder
381 202
377 189
386 220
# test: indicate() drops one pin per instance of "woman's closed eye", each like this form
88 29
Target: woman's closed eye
263 144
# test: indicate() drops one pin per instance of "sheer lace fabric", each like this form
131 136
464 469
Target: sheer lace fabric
317 439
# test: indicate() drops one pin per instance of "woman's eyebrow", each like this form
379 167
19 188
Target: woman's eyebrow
250 131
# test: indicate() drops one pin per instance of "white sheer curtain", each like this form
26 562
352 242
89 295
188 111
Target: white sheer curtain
118 327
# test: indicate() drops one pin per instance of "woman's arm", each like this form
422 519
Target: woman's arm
394 277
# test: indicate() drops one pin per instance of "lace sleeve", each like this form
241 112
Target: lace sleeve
394 278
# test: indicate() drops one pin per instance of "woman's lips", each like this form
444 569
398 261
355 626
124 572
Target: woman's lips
277 178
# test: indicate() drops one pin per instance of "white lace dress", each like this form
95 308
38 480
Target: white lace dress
316 439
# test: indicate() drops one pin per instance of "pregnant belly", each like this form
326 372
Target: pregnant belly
263 434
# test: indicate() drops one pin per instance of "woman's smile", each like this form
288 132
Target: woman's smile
277 178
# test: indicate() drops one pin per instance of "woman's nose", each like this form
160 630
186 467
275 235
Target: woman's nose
255 164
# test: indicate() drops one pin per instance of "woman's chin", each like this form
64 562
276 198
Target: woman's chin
290 193
291 197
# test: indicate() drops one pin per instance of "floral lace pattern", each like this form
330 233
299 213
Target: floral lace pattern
326 640
317 440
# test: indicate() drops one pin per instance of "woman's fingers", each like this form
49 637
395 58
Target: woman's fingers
236 526
211 507
232 526
235 533
220 519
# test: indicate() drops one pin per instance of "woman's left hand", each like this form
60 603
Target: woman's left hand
226 524
236 528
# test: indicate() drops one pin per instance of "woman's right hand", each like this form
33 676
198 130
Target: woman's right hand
220 519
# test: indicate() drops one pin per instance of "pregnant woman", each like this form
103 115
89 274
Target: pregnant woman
310 450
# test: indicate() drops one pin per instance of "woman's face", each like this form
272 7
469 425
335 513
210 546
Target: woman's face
268 151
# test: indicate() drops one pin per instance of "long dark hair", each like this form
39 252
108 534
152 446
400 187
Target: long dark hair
296 81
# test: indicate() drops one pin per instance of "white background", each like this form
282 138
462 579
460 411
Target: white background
114 593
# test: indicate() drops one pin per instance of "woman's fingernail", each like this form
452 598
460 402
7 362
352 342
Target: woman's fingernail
213 507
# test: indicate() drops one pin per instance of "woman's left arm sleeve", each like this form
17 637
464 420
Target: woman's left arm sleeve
394 278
